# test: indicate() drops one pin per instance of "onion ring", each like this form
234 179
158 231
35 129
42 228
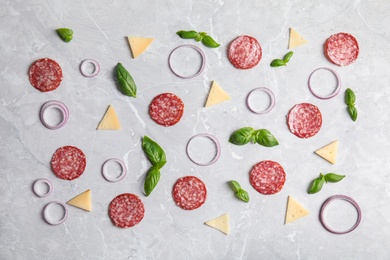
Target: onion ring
94 72
45 181
272 100
334 93
55 104
212 138
121 176
203 56
46 217
342 197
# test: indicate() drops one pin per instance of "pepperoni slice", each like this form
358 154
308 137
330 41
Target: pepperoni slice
267 177
245 52
341 49
166 109
45 74
126 210
189 193
68 163
304 120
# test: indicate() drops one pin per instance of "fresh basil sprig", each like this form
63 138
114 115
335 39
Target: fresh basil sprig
317 183
350 100
126 83
207 40
151 180
238 191
245 135
279 62
265 138
65 34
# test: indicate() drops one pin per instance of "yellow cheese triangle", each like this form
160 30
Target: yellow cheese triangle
138 45
216 95
82 201
110 120
221 223
329 152
294 210
295 39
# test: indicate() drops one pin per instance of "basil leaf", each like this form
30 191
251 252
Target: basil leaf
265 138
151 180
65 34
187 34
154 152
278 63
242 195
198 38
235 186
349 97
209 42
126 83
242 136
288 56
316 185
352 111
332 177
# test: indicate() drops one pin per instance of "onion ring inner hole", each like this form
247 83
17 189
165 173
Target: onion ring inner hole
53 116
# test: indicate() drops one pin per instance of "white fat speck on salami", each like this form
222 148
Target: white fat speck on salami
45 75
341 49
245 52
304 120
126 210
267 177
68 163
166 109
189 192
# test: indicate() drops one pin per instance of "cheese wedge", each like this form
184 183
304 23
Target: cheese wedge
110 120
294 210
216 95
82 201
138 45
295 39
221 223
329 152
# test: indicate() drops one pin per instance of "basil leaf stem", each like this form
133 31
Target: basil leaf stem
154 152
126 83
332 177
65 34
151 180
278 63
207 40
265 138
242 136
238 191
235 186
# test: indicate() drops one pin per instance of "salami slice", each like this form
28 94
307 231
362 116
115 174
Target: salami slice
166 109
304 120
341 49
45 75
267 177
126 210
68 163
245 52
189 193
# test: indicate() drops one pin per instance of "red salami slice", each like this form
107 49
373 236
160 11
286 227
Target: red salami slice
166 109
267 177
189 193
126 210
45 75
341 49
68 163
245 52
304 120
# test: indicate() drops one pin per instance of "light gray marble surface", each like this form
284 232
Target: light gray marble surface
168 232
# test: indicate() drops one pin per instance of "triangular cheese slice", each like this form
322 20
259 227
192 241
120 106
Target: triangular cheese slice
216 95
82 201
294 210
295 39
110 120
221 223
138 45
329 152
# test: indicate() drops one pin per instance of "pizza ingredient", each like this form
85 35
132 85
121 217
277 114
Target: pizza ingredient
38 192
304 120
138 45
65 34
350 99
207 40
153 152
294 211
245 135
317 183
110 120
267 177
238 191
244 52
82 201
47 216
83 69
341 49
126 83
331 95
220 223
217 145
166 109
265 138
126 210
295 39
151 180
202 66
271 103
279 62
216 95
68 163
58 105
116 178
329 152
45 75
189 193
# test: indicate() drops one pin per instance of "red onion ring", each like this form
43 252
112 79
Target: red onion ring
203 56
335 92
56 104
342 197
46 217
121 176
271 96
212 138
94 72
45 181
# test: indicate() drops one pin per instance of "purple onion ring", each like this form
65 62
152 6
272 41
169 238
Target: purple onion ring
335 92
94 72
342 197
54 104
45 181
121 176
46 217
212 138
271 96
203 56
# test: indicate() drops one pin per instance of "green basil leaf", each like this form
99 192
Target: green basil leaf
242 195
235 186
288 56
203 34
349 97
154 152
187 34
316 185
209 42
65 34
126 83
242 136
332 177
265 138
278 63
352 111
151 180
